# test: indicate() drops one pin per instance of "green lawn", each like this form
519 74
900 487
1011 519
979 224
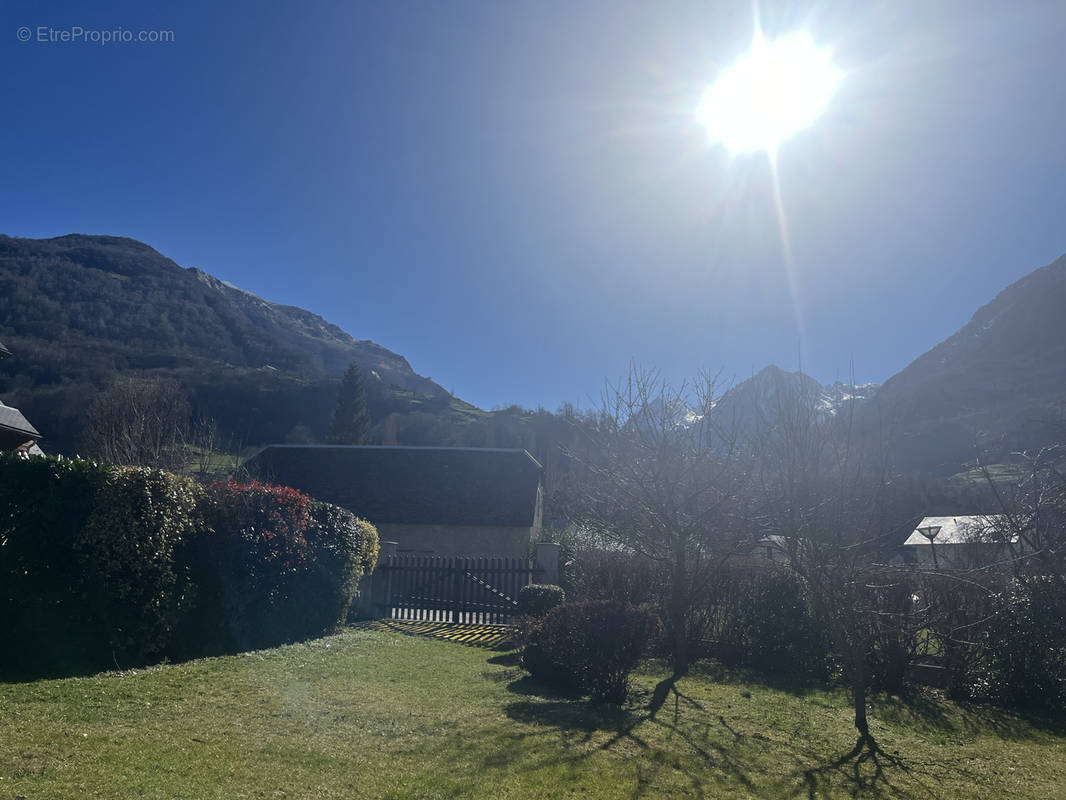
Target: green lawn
380 714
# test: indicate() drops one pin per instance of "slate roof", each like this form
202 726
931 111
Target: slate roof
956 530
12 420
410 485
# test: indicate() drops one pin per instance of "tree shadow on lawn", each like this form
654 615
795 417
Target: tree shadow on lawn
585 728
673 732
920 709
864 771
716 672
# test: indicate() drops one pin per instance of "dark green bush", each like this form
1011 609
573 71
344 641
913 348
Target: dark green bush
761 619
126 548
270 566
103 566
891 629
343 549
44 621
616 575
537 599
1024 664
590 646
244 559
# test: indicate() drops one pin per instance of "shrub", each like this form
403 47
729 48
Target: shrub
244 559
102 565
343 549
537 599
591 646
760 618
1025 653
957 616
523 632
616 575
127 547
272 566
44 502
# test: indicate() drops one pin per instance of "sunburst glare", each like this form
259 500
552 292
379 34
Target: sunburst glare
778 88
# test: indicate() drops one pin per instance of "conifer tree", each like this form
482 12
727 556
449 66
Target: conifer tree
351 417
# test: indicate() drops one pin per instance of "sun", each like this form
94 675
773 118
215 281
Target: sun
778 88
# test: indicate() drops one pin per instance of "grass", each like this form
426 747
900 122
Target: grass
376 713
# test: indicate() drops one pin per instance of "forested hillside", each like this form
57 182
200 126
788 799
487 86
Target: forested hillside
79 312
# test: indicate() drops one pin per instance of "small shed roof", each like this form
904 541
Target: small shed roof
11 419
956 530
410 485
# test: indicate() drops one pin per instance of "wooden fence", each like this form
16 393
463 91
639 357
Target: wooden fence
441 589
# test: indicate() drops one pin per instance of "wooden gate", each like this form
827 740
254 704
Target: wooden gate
441 589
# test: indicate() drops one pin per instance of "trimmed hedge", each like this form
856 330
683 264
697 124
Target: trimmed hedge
343 549
590 646
126 549
44 621
106 566
244 559
271 566
537 599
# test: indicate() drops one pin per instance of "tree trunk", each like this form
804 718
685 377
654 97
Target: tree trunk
679 612
858 691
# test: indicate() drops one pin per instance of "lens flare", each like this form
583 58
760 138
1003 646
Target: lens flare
778 88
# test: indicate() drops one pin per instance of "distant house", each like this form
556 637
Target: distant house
444 501
772 548
963 542
16 432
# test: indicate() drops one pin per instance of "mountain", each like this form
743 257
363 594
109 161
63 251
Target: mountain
996 386
998 383
78 311
759 400
755 405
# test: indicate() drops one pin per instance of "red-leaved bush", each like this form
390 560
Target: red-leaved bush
272 519
250 549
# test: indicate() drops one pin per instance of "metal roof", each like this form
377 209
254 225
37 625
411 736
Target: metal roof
957 530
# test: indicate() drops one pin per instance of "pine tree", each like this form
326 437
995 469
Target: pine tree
351 417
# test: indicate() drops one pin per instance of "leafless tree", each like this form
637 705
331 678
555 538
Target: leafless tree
655 474
825 495
1030 530
138 421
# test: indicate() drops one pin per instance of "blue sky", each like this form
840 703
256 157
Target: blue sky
518 196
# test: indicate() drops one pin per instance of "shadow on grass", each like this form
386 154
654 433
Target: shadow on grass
865 770
925 710
585 728
796 685
46 673
668 731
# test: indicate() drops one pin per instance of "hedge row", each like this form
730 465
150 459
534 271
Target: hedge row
106 566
